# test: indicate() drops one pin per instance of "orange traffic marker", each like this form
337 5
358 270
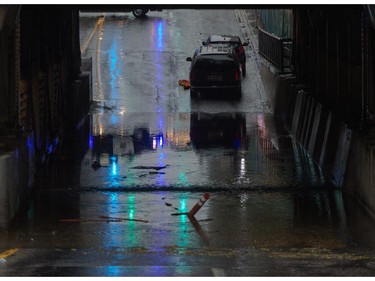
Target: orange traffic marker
199 205
184 83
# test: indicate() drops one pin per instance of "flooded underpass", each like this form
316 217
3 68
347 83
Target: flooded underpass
229 151
113 199
126 195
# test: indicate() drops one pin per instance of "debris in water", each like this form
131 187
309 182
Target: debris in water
198 205
156 173
150 167
178 214
125 219
184 83
199 230
96 165
89 220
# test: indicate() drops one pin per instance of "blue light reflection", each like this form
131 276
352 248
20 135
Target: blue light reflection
114 118
159 43
113 270
157 37
91 141
114 168
161 141
114 65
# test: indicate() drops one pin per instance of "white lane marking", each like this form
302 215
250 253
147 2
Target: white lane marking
218 271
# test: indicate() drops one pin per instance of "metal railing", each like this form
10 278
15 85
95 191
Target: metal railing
276 50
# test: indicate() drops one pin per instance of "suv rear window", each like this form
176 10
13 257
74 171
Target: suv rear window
211 62
230 43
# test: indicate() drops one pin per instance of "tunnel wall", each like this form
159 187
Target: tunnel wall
360 177
346 156
327 103
333 53
323 135
44 93
16 175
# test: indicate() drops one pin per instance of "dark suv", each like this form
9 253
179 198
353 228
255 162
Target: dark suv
215 67
233 41
139 13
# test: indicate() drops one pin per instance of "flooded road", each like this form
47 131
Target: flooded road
198 150
113 200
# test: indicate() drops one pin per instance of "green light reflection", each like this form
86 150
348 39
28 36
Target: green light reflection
184 180
183 224
132 238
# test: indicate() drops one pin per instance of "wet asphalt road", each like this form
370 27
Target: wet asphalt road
113 202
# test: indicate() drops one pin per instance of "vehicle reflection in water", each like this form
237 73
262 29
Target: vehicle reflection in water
218 130
220 151
245 154
122 147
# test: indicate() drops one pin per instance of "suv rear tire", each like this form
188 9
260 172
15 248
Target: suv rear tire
139 13
193 94
239 93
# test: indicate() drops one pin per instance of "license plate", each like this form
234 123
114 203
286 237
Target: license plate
215 77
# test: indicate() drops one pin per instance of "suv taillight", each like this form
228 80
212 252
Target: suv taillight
241 50
192 76
238 75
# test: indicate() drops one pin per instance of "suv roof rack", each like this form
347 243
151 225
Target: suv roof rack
216 48
228 38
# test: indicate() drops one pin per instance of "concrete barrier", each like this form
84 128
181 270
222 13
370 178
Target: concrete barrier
16 175
346 156
18 160
360 176
325 138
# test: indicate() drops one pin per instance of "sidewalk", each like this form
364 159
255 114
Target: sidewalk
250 31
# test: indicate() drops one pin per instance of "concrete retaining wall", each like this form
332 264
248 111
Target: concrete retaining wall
346 157
360 177
18 160
16 175
323 135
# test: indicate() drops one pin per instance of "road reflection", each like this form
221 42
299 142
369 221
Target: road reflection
224 130
297 215
272 201
220 151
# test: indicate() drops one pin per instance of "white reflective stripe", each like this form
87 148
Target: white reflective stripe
200 203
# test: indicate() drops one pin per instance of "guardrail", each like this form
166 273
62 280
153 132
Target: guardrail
276 50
